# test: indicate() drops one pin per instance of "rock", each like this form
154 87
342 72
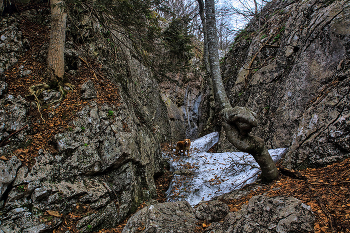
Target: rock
8 172
107 161
26 72
176 118
3 88
88 90
327 160
72 57
50 96
13 117
164 217
268 214
12 42
212 211
106 216
182 100
99 162
21 220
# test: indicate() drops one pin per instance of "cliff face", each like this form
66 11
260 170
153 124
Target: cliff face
292 67
103 156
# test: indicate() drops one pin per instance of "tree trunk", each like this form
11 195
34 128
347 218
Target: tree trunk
55 58
208 84
219 90
205 49
239 121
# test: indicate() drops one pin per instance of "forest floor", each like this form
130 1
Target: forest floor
326 190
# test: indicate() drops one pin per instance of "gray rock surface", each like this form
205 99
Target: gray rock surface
261 214
50 96
3 88
88 90
107 158
13 117
8 172
12 43
299 81
99 162
164 217
268 214
183 101
212 211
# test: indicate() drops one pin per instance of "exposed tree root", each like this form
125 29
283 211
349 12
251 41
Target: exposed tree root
36 90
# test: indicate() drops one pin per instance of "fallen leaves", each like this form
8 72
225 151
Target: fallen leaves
54 213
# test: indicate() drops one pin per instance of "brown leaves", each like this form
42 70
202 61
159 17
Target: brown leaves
3 158
54 213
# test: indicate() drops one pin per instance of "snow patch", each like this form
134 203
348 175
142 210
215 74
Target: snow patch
204 175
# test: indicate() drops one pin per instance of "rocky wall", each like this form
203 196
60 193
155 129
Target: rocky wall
291 66
104 161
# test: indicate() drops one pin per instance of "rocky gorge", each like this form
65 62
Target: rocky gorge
87 162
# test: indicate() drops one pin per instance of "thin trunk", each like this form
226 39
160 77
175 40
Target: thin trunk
207 77
55 57
205 52
219 90
256 8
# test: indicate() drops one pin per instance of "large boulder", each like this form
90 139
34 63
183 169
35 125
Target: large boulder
164 217
261 214
268 214
212 211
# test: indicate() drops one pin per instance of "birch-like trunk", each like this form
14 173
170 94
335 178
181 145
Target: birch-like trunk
205 49
213 51
55 58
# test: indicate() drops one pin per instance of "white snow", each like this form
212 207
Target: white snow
211 174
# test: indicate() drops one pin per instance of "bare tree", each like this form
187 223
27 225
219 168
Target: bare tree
55 57
238 121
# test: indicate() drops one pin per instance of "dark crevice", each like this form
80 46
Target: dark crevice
5 195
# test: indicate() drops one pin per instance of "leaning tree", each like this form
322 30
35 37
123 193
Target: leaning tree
238 121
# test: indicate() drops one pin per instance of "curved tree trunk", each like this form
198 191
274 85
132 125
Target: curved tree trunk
239 121
55 58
